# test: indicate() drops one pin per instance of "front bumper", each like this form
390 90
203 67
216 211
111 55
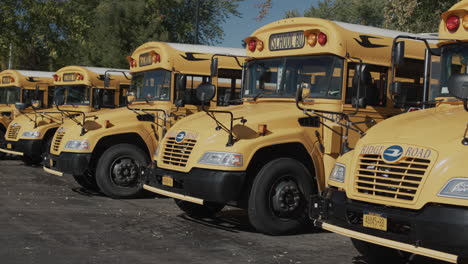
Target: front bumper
24 147
202 184
69 163
436 227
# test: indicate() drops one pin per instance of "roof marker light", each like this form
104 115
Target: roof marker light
322 38
452 23
252 45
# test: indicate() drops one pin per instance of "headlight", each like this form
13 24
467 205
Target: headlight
338 173
77 144
456 188
221 158
32 134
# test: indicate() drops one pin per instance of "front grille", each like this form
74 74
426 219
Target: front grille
177 154
58 139
13 131
395 181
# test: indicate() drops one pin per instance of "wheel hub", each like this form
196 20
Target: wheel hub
125 172
287 198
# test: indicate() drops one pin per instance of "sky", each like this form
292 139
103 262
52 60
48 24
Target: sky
236 29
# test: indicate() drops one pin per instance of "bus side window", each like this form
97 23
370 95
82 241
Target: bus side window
229 87
107 98
411 74
376 92
191 83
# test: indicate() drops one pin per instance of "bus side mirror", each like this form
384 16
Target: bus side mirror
362 82
396 88
59 99
106 80
96 97
181 83
458 86
20 106
36 104
179 103
398 54
303 91
205 92
214 67
131 97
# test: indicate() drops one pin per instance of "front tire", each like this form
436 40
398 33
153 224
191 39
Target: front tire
375 254
118 172
87 181
197 210
278 199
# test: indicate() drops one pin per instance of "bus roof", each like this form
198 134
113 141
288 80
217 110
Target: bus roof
382 31
35 73
102 71
207 49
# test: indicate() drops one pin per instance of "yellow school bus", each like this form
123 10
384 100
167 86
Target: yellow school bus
265 156
108 157
77 92
403 190
21 86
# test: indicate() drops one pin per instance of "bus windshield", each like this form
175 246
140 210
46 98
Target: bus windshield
454 60
280 77
9 95
30 95
152 85
72 95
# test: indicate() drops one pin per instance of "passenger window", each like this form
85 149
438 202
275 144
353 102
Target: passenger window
191 83
229 87
376 92
107 98
411 74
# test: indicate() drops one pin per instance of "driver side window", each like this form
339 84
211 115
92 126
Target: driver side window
191 83
375 93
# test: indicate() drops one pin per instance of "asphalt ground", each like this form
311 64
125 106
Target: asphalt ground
50 219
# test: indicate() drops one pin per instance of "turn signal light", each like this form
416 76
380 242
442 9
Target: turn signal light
452 23
262 129
132 62
260 45
79 77
56 77
322 38
12 79
312 39
465 21
252 45
156 57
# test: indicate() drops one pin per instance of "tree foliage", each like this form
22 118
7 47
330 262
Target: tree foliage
405 15
49 34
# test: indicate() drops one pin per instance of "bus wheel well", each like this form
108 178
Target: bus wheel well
264 155
2 128
49 133
108 141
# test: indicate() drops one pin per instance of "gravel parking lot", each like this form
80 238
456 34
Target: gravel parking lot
49 219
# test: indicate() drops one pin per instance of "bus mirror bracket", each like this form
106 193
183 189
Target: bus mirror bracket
303 92
180 83
179 103
398 54
214 67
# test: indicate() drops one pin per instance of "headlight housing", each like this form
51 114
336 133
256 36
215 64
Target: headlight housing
77 144
221 158
31 134
338 173
456 188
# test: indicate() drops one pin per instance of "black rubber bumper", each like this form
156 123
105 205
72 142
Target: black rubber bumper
69 163
438 227
209 185
29 147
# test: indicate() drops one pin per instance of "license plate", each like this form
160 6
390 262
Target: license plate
9 146
168 181
375 221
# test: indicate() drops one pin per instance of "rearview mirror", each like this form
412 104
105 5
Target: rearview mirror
458 85
131 97
181 83
398 54
214 67
179 103
303 91
20 106
396 88
205 92
106 80
36 104
362 82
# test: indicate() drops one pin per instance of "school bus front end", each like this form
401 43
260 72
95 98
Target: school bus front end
404 188
18 89
108 153
266 156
